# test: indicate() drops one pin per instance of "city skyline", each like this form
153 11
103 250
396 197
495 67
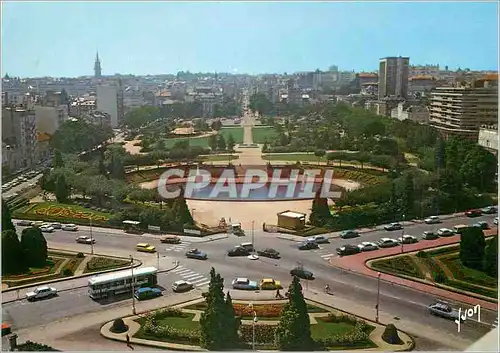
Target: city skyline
139 39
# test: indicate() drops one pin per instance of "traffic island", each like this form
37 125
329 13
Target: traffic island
178 328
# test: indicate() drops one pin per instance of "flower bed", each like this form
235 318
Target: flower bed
55 211
401 265
104 263
268 310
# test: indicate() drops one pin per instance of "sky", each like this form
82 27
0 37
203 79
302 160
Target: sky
61 39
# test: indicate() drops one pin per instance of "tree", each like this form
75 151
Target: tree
490 265
212 142
319 154
12 253
6 218
230 143
472 247
216 125
232 322
62 189
58 159
181 212
221 143
320 212
294 329
407 196
34 247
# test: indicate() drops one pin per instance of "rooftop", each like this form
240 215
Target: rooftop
292 214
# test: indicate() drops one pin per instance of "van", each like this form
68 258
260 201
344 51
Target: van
458 229
170 239
247 246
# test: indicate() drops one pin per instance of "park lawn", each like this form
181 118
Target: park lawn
58 212
237 133
219 158
104 263
403 265
261 134
294 157
185 322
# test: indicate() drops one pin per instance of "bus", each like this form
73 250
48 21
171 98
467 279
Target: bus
109 284
132 227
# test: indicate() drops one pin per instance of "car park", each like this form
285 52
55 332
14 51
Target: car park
443 309
70 227
182 286
145 247
319 239
269 283
244 284
482 225
347 249
489 210
387 243
349 234
393 226
302 273
41 292
432 220
196 254
445 232
25 223
367 246
47 229
147 293
170 239
308 245
407 239
85 240
430 235
473 213
269 252
238 251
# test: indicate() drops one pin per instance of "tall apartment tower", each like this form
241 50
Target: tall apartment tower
393 77
97 66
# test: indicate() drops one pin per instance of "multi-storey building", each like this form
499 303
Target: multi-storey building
108 101
488 138
19 136
393 77
48 119
424 70
408 111
463 110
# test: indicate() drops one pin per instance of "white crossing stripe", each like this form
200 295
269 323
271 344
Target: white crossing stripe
177 250
327 256
187 273
199 280
202 284
193 276
184 271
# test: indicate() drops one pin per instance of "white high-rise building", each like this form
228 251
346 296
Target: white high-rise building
107 102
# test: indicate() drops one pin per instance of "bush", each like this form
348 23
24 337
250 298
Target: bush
80 255
390 335
29 346
349 339
67 272
268 310
422 254
119 326
263 333
166 331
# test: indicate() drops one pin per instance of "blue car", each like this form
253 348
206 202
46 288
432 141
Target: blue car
245 284
196 254
147 293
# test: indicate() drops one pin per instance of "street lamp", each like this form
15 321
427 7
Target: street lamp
253 255
402 234
378 296
133 284
255 320
91 237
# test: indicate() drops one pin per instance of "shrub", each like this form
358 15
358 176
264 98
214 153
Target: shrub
422 254
29 346
348 339
268 310
168 312
67 272
390 335
80 255
119 326
166 331
263 333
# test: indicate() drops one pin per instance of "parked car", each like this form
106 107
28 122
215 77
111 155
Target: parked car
83 239
301 273
47 229
56 225
238 251
170 239
319 239
41 292
269 252
145 247
443 310
482 225
182 286
147 293
196 254
349 234
459 228
248 246
25 223
489 210
432 220
445 232
407 239
495 221
70 227
430 235
269 283
245 284
393 226
308 245
473 213
347 249
367 246
387 243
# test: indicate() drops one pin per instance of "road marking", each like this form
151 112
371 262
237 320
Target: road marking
202 284
180 267
194 276
199 280
327 256
186 272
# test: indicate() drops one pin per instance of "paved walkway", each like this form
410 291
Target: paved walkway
356 263
80 270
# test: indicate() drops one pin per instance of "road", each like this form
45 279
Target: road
397 301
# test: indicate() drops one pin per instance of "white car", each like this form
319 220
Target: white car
41 292
25 223
318 239
83 239
56 225
445 232
70 227
432 220
46 229
495 221
407 239
387 243
367 246
182 286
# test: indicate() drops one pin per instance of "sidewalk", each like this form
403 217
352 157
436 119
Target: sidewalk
357 263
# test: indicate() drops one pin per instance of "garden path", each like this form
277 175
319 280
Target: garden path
80 270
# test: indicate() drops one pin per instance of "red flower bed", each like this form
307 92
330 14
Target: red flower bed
263 310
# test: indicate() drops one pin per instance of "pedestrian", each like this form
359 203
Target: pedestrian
127 337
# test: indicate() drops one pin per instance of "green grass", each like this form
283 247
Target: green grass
261 134
469 287
324 329
403 265
185 322
237 133
66 213
104 263
293 157
466 274
219 158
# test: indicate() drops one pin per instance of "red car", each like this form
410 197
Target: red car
473 213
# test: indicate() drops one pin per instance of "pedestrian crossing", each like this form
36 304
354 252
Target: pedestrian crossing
191 276
179 247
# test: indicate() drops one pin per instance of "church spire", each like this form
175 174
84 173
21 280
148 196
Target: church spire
97 66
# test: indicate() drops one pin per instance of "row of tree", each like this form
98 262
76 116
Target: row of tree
217 142
475 253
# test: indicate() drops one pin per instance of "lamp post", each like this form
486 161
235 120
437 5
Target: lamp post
378 296
253 255
255 319
91 237
158 260
402 234
133 284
